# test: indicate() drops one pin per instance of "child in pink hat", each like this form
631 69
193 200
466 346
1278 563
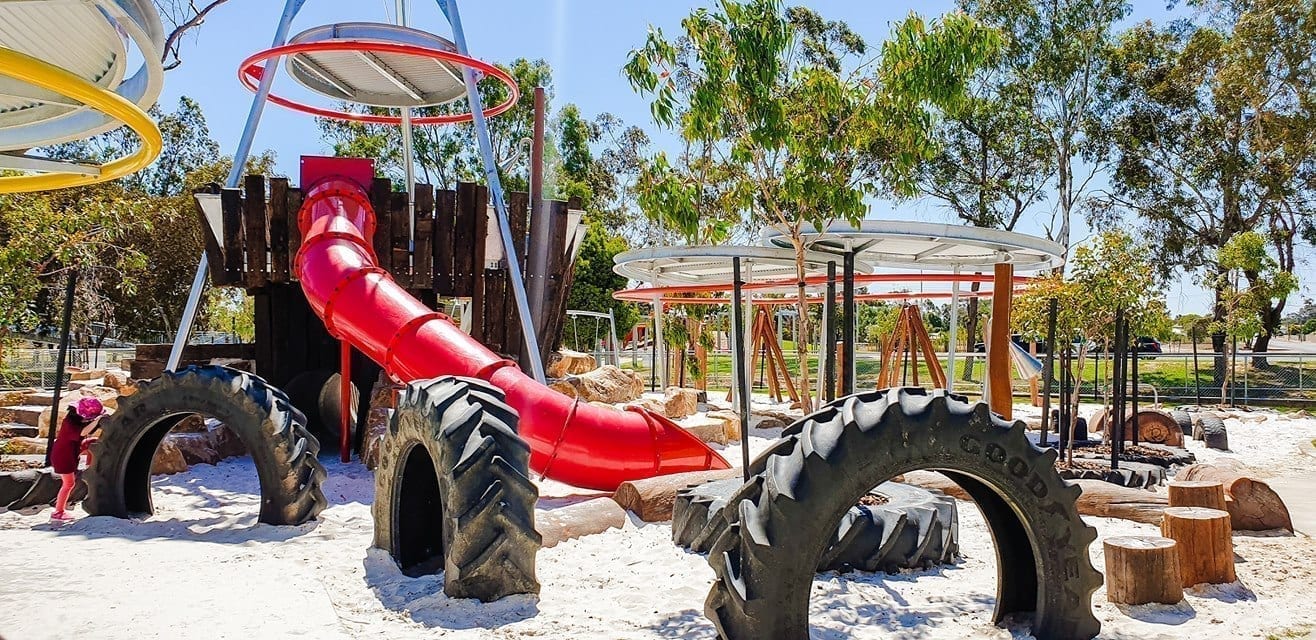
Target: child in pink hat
82 418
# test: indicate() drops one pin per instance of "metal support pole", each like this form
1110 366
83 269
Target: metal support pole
955 336
290 10
659 343
1134 365
537 252
1064 422
408 153
514 274
1117 410
738 367
345 401
1048 367
848 320
828 354
66 327
1197 378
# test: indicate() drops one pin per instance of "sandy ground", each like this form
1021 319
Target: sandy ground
202 567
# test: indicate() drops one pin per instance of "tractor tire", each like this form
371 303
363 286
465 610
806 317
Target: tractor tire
1184 420
453 490
1211 431
119 479
783 519
1135 475
318 395
915 528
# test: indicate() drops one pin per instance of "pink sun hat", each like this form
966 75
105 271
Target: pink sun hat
89 408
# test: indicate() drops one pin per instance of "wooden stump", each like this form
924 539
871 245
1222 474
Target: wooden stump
1251 503
1206 550
1142 570
1197 493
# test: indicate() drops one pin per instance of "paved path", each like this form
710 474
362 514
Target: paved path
1299 495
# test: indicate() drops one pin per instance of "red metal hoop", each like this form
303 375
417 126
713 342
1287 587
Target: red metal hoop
251 70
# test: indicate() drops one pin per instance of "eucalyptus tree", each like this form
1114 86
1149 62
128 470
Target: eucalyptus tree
1212 134
790 120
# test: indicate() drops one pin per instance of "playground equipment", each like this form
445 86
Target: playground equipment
901 349
783 518
63 77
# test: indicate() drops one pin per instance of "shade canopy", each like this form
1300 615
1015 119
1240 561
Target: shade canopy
702 264
376 78
929 246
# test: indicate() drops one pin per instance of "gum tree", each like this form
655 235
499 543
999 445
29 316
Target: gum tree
790 121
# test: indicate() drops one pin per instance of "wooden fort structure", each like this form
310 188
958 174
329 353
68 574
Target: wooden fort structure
252 238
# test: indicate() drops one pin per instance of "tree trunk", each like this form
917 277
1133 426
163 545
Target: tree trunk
971 330
651 499
1261 345
802 337
1251 503
1197 493
1142 570
1206 550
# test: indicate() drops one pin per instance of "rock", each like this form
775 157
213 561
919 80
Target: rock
571 363
382 400
722 427
653 405
16 397
606 384
679 403
731 423
195 423
116 380
760 421
196 448
24 446
108 397
168 459
226 443
80 374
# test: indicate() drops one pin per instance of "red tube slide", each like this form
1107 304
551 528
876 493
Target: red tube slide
570 441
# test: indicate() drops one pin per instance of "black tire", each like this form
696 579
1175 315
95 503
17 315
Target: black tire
1178 456
783 519
453 490
1135 475
318 395
1184 420
916 528
1212 432
118 481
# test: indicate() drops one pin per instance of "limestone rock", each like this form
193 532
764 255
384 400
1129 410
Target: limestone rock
721 427
606 384
16 397
24 446
116 380
196 448
195 423
80 374
652 405
679 402
168 459
571 363
226 443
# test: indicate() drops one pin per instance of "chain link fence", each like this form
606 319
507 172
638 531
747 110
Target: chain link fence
23 368
1168 377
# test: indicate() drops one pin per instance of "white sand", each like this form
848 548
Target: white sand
202 568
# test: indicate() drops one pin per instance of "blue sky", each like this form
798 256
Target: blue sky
585 41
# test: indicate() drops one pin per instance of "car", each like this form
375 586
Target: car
1146 344
1018 339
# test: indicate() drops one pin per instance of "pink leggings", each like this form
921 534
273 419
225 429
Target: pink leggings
62 501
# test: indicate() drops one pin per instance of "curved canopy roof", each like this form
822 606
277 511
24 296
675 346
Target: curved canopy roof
930 246
685 265
378 79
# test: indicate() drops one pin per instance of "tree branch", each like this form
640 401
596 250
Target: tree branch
173 42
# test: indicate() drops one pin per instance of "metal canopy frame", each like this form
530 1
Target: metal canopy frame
705 264
470 80
40 29
930 246
377 79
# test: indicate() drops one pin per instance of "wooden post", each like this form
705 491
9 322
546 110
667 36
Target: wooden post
1142 570
254 219
998 343
230 202
1197 493
1206 551
279 256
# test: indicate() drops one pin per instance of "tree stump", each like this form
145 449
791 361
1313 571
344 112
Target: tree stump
1142 570
1206 550
1197 493
1251 503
